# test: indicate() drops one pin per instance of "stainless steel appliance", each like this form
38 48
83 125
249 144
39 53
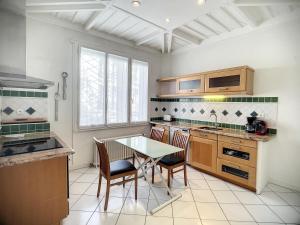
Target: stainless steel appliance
167 118
13 48
250 126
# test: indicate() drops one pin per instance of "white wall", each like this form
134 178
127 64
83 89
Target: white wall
274 53
49 53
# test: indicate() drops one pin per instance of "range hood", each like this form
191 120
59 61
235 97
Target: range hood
23 81
13 48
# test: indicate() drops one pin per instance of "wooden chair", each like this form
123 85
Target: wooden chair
156 133
114 170
173 161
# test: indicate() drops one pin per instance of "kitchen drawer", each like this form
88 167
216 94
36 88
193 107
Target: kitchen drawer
203 134
238 141
237 153
236 172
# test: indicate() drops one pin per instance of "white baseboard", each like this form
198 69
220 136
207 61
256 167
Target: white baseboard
283 184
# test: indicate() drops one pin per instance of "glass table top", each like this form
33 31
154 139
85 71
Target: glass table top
149 147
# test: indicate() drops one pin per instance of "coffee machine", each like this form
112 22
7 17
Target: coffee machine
250 126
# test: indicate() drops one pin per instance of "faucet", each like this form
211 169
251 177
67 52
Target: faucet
216 119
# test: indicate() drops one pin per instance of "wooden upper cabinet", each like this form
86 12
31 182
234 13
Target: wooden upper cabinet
190 85
236 80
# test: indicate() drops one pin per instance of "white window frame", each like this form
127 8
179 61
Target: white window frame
76 60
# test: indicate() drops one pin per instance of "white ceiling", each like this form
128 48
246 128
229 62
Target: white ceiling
190 23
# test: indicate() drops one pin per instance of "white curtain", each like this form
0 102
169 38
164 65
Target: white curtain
117 89
139 91
92 88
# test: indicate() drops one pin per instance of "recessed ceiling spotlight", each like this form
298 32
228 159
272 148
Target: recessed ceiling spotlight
201 2
167 20
136 3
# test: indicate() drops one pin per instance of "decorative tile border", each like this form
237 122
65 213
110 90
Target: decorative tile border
218 99
16 93
207 123
24 128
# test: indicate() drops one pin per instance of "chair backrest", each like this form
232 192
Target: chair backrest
181 140
157 133
103 158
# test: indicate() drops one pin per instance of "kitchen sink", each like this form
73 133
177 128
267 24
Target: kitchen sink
210 128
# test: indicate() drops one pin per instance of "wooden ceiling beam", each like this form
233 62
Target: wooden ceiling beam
92 20
169 41
217 21
243 16
63 2
265 2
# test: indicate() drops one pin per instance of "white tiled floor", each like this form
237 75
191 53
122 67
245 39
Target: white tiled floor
206 201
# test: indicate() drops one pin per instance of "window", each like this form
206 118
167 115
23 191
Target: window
104 97
139 91
117 89
92 88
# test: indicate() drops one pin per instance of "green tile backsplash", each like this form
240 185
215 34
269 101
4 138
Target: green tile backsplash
225 99
15 93
24 128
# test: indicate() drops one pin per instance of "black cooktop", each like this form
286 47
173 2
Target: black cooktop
27 146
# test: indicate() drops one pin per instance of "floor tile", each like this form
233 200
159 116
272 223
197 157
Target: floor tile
92 190
198 184
195 176
210 211
287 213
77 218
73 176
186 194
291 198
131 219
262 213
214 222
82 170
184 209
87 177
152 220
247 197
114 205
118 191
242 223
270 198
203 196
185 221
73 199
165 212
137 207
161 193
178 183
79 188
209 177
92 170
217 185
278 188
234 187
86 203
142 192
225 197
236 212
103 219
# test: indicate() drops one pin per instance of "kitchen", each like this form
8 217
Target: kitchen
255 44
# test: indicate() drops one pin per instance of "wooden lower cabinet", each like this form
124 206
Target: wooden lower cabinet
34 193
238 173
203 153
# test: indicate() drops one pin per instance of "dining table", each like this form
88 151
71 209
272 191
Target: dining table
154 152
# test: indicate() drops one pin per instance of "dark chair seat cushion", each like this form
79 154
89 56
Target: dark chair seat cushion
171 160
121 166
